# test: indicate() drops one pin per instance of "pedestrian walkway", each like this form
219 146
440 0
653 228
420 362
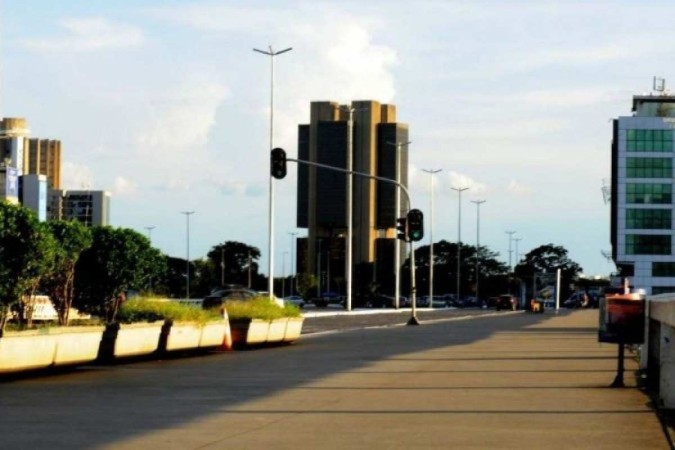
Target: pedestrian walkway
521 381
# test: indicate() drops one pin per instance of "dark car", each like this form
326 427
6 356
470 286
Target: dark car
508 302
219 296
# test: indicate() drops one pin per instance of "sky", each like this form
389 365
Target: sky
166 105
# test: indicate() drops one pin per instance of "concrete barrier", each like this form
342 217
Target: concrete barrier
660 347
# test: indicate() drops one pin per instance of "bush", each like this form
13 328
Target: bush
149 310
259 308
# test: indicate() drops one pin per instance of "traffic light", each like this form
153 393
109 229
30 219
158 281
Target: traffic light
278 163
415 225
402 228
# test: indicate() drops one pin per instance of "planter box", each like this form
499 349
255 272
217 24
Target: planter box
134 339
293 329
249 331
277 330
181 335
216 334
26 350
77 345
256 331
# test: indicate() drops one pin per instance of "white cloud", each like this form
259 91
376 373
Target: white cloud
186 116
459 180
518 189
76 176
124 187
88 35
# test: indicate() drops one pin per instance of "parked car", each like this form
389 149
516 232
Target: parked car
440 302
219 296
327 298
295 300
507 301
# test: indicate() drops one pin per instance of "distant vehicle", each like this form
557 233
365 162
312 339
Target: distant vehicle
579 300
219 296
295 300
327 298
507 301
440 302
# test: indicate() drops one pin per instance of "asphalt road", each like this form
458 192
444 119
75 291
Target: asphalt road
507 380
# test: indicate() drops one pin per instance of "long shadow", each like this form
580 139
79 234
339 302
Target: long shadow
99 405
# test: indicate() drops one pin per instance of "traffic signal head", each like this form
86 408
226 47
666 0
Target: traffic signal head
415 225
402 228
278 163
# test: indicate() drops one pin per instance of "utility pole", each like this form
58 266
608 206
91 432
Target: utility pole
478 203
459 235
431 172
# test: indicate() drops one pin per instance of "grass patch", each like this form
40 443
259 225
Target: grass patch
259 308
148 310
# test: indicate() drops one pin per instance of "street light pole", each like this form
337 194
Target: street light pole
293 250
431 172
149 229
397 245
350 206
510 233
517 240
270 249
283 274
187 261
459 233
478 203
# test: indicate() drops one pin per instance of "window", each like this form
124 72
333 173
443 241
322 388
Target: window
649 140
656 290
649 219
640 193
649 167
663 269
642 244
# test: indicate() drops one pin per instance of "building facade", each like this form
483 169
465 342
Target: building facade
642 228
322 193
88 207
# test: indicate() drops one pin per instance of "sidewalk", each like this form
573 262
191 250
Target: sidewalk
517 382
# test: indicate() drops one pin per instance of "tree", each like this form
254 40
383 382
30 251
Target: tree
238 258
548 258
119 259
26 253
73 238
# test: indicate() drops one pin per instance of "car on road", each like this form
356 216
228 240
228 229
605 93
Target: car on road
219 296
507 301
295 300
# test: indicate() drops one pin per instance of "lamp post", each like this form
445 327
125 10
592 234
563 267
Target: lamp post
517 240
350 206
478 203
293 268
222 265
510 233
187 260
270 249
283 274
431 172
459 233
397 214
149 230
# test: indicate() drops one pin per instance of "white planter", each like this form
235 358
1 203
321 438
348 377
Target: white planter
277 330
293 329
26 350
216 334
77 345
183 336
248 332
136 339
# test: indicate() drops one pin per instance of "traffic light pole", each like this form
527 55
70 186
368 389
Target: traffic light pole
413 290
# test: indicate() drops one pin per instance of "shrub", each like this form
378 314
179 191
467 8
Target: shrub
149 310
259 308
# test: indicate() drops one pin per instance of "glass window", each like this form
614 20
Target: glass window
656 290
649 167
655 194
649 140
663 269
643 244
649 219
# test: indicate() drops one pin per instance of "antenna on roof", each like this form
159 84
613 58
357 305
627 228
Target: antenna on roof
659 85
606 191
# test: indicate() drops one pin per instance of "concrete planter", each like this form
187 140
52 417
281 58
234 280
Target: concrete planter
216 334
77 345
26 350
133 339
181 335
293 329
257 331
39 349
277 330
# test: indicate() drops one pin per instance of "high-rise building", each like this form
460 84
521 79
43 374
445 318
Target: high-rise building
13 151
322 193
642 194
88 207
44 158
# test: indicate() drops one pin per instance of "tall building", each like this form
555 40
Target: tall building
44 158
88 207
13 151
322 193
642 194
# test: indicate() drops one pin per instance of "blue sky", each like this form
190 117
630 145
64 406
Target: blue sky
165 104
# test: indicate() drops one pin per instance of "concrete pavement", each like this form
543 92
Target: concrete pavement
520 381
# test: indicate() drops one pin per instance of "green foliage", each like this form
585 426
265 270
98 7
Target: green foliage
259 308
73 238
548 258
26 254
149 310
119 259
236 258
